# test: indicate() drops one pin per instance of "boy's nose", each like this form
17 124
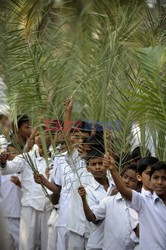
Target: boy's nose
127 181
97 166
160 181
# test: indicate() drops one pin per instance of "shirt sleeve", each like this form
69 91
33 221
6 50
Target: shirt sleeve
14 166
100 210
3 143
90 197
137 201
53 171
133 215
57 173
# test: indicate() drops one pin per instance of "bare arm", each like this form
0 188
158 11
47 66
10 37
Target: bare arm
55 198
40 179
109 163
16 181
88 212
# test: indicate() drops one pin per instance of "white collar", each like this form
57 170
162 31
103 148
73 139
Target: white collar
96 184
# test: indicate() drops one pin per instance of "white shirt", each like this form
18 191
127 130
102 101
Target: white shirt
3 143
152 218
145 192
10 197
81 176
32 193
63 178
95 194
118 227
70 172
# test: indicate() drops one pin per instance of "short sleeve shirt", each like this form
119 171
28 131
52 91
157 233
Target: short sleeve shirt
152 218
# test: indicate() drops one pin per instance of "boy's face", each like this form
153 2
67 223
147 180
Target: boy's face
38 140
86 148
158 182
13 152
58 137
25 130
78 137
96 167
130 179
145 178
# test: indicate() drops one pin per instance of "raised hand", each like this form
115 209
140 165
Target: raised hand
82 192
30 142
80 149
109 162
68 103
3 158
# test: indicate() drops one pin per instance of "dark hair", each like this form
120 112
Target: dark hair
131 166
22 119
82 126
160 165
145 162
136 153
94 154
95 142
98 130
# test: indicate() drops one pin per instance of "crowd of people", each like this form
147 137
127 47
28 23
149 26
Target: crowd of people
60 190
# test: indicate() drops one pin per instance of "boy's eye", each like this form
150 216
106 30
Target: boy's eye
92 164
155 177
147 173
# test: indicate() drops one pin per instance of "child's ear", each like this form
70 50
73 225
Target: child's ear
139 177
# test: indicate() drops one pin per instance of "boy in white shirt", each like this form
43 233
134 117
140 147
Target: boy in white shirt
119 220
143 173
36 207
78 228
151 208
10 203
69 170
100 188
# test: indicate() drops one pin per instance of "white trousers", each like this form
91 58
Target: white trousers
76 241
33 229
52 230
12 228
62 238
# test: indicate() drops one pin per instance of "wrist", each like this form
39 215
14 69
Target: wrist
83 199
112 170
45 181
